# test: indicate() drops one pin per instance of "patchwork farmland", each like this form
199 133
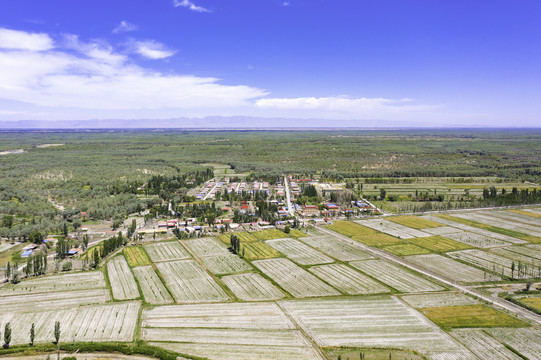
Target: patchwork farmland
297 298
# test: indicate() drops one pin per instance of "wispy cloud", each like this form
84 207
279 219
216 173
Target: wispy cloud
20 40
190 5
342 105
152 49
92 76
286 3
124 27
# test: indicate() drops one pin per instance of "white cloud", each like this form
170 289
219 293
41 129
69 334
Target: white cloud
152 49
286 3
21 40
190 5
344 105
123 27
92 76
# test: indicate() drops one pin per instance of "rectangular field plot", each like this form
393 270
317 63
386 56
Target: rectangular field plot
336 248
56 283
454 222
347 280
136 256
392 228
206 247
526 341
243 351
405 249
523 254
252 287
513 217
476 240
189 283
382 322
114 322
299 252
422 301
444 230
414 222
500 222
53 300
483 345
439 244
121 278
227 331
243 236
395 276
527 212
294 233
258 251
152 287
167 251
363 234
451 269
491 262
269 234
225 264
294 279
470 316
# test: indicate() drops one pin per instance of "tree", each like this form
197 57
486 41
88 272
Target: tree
8 271
32 334
7 335
382 193
85 242
512 269
287 229
57 332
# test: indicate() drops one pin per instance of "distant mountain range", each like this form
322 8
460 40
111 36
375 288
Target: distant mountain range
211 122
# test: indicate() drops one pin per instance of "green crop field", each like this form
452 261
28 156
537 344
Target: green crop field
269 234
439 244
243 236
414 222
294 233
258 251
470 316
136 256
405 250
532 302
363 234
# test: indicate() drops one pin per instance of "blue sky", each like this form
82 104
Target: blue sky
354 61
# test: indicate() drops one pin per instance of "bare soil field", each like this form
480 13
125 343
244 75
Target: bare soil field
225 264
206 247
347 280
121 278
152 287
451 269
336 248
166 251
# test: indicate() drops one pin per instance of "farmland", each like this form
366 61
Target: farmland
252 287
347 280
526 341
470 316
122 282
393 229
379 322
299 252
227 331
206 247
269 234
363 234
189 283
336 248
492 263
422 301
395 276
451 269
114 322
295 280
414 222
439 243
136 256
405 249
243 236
154 292
225 264
258 251
166 251
483 345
